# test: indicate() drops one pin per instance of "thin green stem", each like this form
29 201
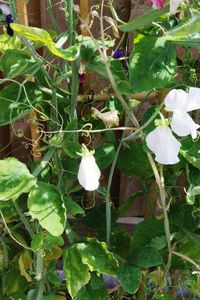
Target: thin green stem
23 219
39 276
11 235
70 19
52 16
5 265
45 160
108 203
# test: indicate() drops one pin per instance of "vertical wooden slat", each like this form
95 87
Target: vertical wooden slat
23 19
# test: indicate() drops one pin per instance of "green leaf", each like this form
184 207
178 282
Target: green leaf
146 231
190 151
155 70
72 207
53 278
104 155
185 30
8 42
44 240
45 204
72 148
14 104
145 257
76 273
16 296
15 179
133 160
186 34
87 293
130 278
40 35
96 255
14 281
95 289
144 20
17 62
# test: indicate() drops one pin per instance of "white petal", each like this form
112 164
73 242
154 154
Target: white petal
183 125
5 9
194 99
165 146
176 100
89 173
174 4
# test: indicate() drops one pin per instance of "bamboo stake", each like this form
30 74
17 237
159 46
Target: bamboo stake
35 137
84 13
105 97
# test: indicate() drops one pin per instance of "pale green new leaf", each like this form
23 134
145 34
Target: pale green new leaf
45 204
40 35
15 179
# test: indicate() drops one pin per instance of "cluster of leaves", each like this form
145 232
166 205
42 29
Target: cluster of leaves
36 260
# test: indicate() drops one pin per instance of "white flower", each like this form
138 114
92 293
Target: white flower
165 146
180 103
89 173
110 118
5 9
174 4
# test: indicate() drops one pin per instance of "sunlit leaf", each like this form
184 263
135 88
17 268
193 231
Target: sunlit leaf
45 204
15 179
40 35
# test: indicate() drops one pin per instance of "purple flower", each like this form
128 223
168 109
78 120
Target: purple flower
123 55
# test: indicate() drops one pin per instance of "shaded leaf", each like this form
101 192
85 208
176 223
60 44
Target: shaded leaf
133 160
145 257
104 155
14 103
130 278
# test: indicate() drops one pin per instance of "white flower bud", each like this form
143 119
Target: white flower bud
89 173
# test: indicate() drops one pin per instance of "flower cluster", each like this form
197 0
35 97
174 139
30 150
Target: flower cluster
161 140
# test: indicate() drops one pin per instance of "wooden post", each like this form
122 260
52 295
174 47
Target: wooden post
84 13
23 19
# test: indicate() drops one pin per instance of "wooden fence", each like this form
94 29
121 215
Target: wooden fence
35 13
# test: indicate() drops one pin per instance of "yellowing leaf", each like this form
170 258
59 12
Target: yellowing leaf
25 262
40 35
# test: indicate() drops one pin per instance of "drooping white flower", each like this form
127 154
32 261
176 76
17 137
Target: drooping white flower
110 118
180 103
174 4
164 145
88 173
